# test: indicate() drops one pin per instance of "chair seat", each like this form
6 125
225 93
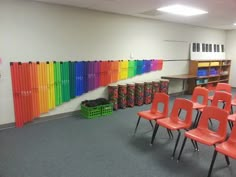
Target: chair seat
227 148
204 136
232 117
172 125
198 105
150 116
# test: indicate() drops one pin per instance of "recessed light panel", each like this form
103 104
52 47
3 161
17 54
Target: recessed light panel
182 10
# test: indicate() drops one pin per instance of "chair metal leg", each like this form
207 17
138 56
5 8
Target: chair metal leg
212 163
195 121
194 146
198 119
230 124
182 149
151 123
227 160
154 133
170 133
176 144
137 124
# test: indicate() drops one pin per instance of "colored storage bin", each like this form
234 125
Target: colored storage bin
113 95
139 93
164 86
215 63
130 94
90 112
213 71
106 109
204 64
155 87
202 72
147 92
122 96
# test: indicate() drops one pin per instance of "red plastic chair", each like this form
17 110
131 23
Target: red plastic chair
221 87
174 122
226 148
155 112
220 97
203 134
199 92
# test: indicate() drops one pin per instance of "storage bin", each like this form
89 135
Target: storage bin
97 111
202 72
90 112
203 64
215 63
106 109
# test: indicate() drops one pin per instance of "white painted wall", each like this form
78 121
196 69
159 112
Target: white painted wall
32 31
231 54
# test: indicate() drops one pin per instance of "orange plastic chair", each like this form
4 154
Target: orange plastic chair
220 97
174 122
203 134
221 87
226 148
199 92
155 112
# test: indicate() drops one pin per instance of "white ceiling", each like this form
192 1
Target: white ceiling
221 13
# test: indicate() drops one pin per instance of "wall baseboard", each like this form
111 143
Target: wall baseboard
42 119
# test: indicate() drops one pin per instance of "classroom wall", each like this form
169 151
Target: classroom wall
32 31
231 54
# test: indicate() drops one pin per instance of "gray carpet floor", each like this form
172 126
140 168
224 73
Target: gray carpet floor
102 147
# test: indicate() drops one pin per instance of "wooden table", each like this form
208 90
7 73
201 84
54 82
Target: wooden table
183 77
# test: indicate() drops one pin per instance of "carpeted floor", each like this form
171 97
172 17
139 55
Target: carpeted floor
103 147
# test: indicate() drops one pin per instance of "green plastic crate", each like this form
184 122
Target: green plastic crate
91 112
106 109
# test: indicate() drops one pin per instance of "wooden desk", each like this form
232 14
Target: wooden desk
183 77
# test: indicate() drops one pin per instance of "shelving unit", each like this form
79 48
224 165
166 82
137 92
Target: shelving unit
209 73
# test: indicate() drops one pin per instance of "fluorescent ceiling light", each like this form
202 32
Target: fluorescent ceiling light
182 10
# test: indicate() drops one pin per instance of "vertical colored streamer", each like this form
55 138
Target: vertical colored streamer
159 64
103 73
139 66
16 94
97 74
123 69
35 88
115 71
72 76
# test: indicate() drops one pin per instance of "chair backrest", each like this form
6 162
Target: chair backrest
223 87
182 104
200 92
224 97
162 98
232 137
212 112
